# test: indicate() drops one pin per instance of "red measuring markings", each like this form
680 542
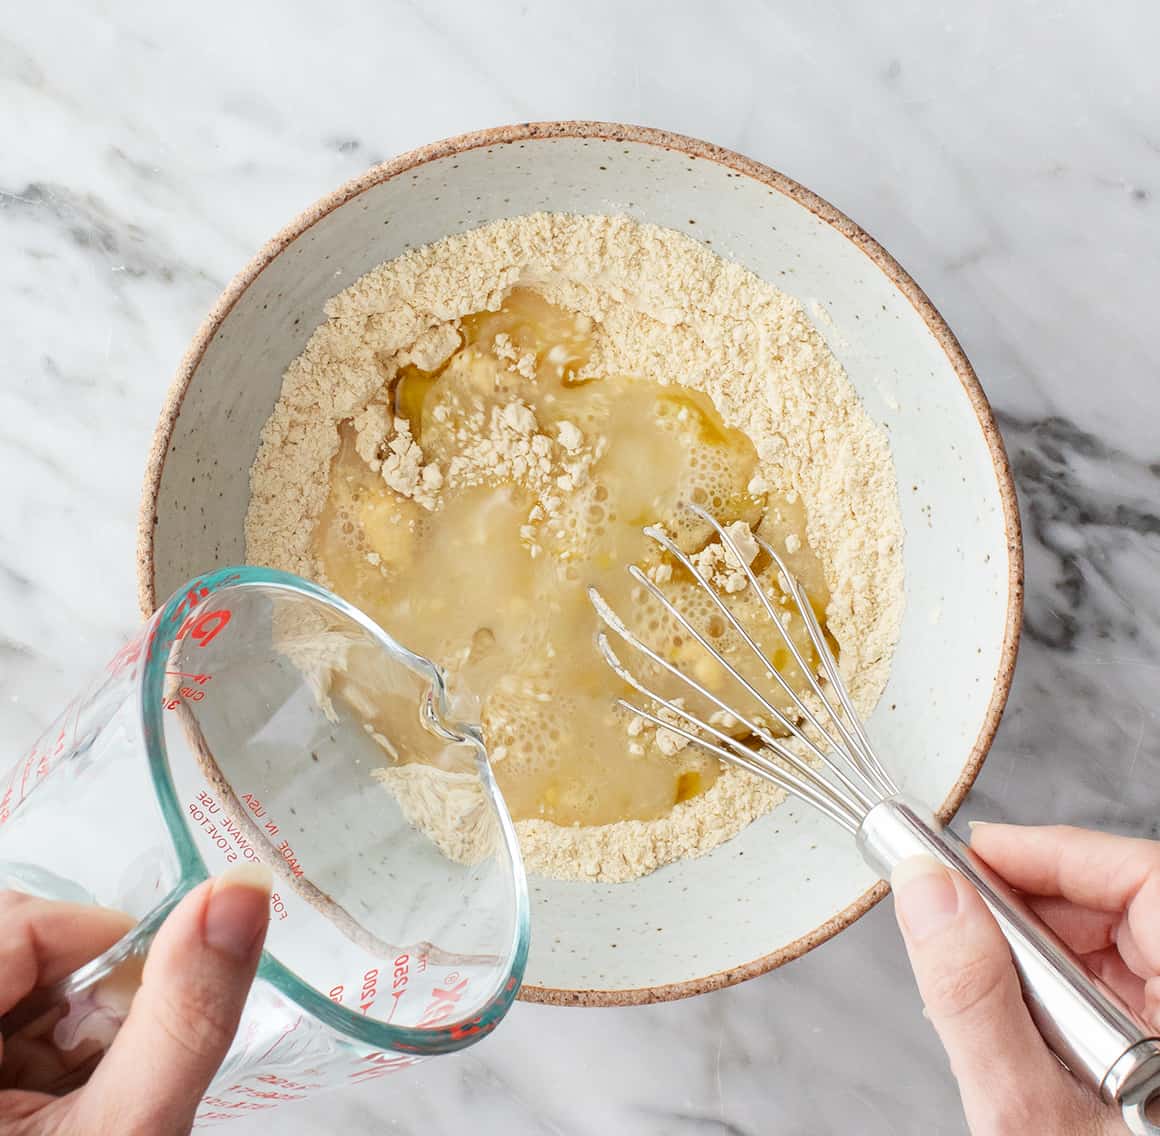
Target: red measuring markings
187 692
257 1090
200 630
376 1064
14 796
39 761
284 1083
401 979
127 655
281 1038
264 1094
223 1102
370 990
373 982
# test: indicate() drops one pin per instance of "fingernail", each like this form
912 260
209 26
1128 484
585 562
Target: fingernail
974 826
238 910
924 896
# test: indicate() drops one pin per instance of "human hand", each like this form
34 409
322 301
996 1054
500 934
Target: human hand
1100 894
178 1029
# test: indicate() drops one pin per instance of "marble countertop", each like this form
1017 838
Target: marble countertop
1007 154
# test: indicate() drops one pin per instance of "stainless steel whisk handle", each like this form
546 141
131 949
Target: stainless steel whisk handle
1088 1027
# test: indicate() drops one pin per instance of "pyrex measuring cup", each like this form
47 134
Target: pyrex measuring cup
258 716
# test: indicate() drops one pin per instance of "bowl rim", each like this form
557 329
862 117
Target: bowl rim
695 149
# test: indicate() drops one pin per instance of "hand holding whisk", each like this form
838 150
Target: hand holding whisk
821 754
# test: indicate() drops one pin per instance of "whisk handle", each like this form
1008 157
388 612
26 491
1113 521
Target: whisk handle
1088 1027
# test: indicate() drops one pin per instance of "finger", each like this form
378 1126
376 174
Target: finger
1008 1079
1092 869
1081 928
182 1020
1102 940
42 941
57 1051
1109 966
1139 937
36 1065
1140 956
1152 1001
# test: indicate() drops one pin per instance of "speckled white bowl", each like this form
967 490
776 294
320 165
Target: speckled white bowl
790 880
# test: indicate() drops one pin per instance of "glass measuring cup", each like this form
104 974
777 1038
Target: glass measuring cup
258 716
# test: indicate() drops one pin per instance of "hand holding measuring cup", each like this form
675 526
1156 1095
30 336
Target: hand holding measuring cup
260 720
179 1030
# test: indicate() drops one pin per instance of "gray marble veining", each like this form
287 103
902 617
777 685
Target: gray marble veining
1008 154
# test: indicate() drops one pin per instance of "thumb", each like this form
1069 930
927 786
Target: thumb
1008 1079
183 1019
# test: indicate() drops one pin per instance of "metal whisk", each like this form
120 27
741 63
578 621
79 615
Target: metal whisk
834 767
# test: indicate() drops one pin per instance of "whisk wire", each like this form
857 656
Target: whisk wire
795 773
817 637
868 790
622 630
679 617
861 754
864 750
686 562
843 784
814 791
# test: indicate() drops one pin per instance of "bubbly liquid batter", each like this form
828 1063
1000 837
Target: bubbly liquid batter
492 582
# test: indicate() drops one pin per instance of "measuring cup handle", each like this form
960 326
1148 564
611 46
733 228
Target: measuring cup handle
122 961
1100 1039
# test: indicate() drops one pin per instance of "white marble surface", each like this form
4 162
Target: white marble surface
1008 154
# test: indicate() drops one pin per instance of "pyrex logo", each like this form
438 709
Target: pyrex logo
201 630
444 1000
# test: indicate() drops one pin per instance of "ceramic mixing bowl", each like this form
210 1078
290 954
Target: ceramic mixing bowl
791 880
